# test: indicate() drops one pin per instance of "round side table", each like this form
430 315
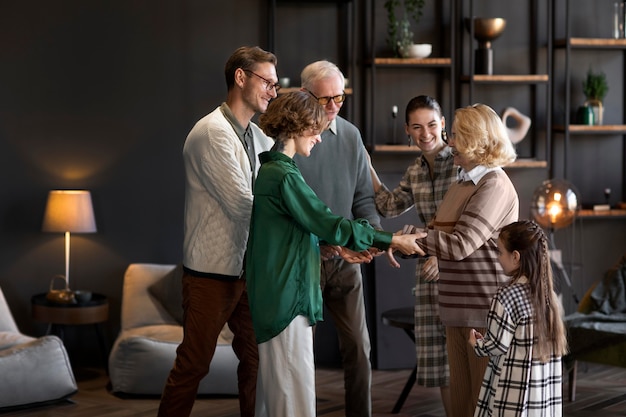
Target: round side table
94 311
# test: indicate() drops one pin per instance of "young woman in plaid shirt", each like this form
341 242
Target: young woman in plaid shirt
423 186
525 336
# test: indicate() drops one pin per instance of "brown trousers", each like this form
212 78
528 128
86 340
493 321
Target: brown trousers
466 371
209 304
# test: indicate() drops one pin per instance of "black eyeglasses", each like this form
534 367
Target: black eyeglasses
325 100
268 84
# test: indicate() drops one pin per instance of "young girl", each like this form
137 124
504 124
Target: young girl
525 333
283 256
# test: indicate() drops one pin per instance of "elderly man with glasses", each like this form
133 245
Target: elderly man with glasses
338 172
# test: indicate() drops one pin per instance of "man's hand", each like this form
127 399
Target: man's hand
430 269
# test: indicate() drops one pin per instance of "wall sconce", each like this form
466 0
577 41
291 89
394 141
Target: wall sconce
69 211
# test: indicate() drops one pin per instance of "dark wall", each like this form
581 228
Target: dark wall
101 95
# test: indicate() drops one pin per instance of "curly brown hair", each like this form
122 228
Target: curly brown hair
291 114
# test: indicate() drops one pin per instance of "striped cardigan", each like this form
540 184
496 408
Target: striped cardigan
463 236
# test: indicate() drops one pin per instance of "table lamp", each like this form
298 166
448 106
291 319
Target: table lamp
69 211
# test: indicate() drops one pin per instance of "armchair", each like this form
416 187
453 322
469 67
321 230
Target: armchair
33 371
151 330
597 331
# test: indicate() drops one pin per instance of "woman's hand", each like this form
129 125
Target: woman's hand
407 244
430 269
354 257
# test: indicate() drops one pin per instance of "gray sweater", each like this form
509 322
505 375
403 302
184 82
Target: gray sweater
338 172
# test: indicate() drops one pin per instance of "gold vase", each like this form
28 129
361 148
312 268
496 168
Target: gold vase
598 110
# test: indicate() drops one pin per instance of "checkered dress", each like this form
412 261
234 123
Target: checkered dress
514 384
418 189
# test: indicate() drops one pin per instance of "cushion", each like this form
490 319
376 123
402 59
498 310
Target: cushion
10 339
169 292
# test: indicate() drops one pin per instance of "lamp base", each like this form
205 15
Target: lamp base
483 61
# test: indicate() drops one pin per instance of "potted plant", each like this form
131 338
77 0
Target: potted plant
399 34
595 88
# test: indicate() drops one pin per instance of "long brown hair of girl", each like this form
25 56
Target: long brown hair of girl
527 237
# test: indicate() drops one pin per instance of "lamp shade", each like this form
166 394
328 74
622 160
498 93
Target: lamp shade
555 203
69 211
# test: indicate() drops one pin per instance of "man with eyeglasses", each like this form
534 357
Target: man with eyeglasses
338 172
221 161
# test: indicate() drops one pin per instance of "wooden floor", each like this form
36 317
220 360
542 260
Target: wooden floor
601 392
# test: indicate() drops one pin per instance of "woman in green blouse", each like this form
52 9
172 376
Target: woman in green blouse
283 257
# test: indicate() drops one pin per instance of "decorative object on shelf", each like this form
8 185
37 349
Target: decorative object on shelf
394 116
419 50
595 88
399 34
619 10
284 82
607 196
522 124
584 115
69 211
607 202
486 30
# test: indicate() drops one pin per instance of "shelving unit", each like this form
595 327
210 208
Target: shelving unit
296 48
532 80
568 45
440 65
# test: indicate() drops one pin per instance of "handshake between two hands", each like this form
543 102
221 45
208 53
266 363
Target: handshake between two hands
403 241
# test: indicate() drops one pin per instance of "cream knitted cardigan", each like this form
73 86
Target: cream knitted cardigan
218 195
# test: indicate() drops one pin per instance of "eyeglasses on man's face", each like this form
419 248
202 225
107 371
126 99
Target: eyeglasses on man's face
269 85
325 100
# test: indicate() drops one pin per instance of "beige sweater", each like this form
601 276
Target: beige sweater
463 236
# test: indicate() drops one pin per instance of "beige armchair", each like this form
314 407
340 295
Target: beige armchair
151 330
33 371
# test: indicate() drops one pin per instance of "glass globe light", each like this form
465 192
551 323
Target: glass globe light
555 203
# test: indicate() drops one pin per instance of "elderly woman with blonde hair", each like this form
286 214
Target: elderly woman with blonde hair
463 235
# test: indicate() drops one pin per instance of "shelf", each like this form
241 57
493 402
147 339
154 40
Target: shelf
591 43
284 90
613 213
528 163
595 129
518 164
413 62
508 79
396 148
